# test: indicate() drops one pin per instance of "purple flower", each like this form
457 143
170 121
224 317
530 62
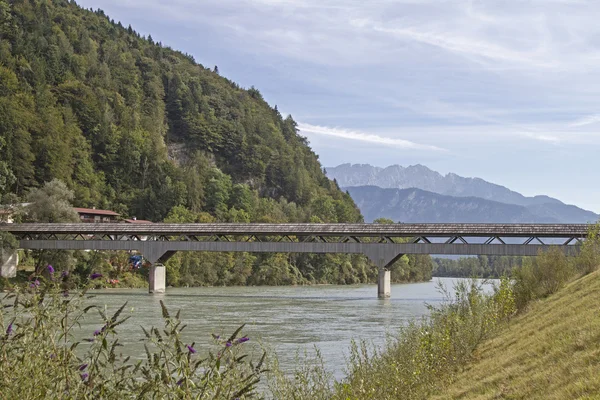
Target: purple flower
66 293
64 274
34 284
9 329
52 356
179 382
84 376
50 269
82 367
242 340
191 349
228 344
99 331
95 275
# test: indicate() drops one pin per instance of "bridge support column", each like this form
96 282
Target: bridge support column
384 287
8 263
157 278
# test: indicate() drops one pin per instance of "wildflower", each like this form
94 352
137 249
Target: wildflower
179 382
191 349
84 376
64 274
95 275
34 284
242 340
9 329
50 269
228 344
99 331
66 293
82 367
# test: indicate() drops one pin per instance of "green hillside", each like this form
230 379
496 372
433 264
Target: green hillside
133 126
138 128
550 352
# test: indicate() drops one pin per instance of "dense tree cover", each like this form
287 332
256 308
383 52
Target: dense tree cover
480 266
133 126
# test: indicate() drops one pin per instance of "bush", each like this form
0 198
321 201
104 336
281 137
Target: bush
39 359
542 276
588 259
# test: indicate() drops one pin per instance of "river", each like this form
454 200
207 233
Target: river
285 318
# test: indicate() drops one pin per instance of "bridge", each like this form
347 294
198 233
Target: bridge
383 244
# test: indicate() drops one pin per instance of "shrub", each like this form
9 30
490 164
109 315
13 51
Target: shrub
588 259
542 276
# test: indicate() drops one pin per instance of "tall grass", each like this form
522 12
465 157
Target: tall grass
39 357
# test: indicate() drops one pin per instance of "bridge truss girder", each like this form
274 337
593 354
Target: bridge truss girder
382 254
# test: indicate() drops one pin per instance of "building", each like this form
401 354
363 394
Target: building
96 216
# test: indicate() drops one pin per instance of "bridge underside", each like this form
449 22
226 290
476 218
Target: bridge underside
382 244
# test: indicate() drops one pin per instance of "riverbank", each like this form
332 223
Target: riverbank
438 356
550 352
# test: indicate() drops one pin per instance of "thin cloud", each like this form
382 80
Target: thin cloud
366 137
590 119
466 46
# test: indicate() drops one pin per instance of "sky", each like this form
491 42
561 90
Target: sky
508 91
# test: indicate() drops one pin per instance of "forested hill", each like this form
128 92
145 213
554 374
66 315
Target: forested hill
134 126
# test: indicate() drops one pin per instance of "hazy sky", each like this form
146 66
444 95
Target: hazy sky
508 91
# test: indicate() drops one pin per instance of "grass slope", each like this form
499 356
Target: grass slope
550 352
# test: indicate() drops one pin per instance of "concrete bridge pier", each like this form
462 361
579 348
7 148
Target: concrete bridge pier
384 287
157 278
156 254
383 257
8 263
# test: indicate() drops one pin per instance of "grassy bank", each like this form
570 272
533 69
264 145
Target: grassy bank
523 341
550 352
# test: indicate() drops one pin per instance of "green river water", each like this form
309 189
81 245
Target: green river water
286 319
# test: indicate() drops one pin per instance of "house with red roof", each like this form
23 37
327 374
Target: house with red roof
96 216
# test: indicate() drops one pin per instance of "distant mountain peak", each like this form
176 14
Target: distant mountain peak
421 177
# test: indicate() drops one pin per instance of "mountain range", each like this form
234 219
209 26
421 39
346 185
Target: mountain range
419 194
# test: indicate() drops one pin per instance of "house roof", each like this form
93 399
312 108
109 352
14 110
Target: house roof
94 211
138 221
